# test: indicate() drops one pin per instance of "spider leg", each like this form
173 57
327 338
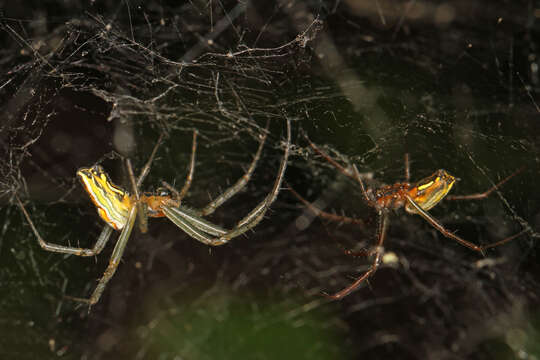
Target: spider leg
240 183
381 235
179 215
180 195
324 214
141 207
358 179
113 262
99 245
200 231
210 234
355 175
433 222
486 193
333 162
103 238
257 214
407 168
146 168
136 184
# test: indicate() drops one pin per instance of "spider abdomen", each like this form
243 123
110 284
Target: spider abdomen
429 191
112 202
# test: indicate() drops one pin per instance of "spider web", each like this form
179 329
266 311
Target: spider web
366 81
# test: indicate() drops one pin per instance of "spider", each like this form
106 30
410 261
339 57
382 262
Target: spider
416 198
119 210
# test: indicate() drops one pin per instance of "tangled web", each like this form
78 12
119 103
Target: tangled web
366 83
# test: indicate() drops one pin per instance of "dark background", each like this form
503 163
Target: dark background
453 84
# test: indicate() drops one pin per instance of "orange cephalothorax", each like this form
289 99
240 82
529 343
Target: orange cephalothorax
113 203
155 203
390 196
429 191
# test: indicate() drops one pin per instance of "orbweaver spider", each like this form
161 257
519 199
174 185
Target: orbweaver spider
416 198
119 210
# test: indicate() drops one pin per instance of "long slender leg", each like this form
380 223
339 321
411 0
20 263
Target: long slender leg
487 192
100 243
103 238
186 215
358 178
179 195
211 234
189 178
190 229
355 175
453 236
333 162
113 262
335 218
135 185
141 207
240 183
407 168
324 214
257 214
146 168
381 235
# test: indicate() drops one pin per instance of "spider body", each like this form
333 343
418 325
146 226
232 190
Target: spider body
113 203
416 198
120 209
427 193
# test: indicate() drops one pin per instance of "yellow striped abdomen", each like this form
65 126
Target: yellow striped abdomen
112 202
430 191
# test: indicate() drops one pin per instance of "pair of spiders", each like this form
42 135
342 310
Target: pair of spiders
120 209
